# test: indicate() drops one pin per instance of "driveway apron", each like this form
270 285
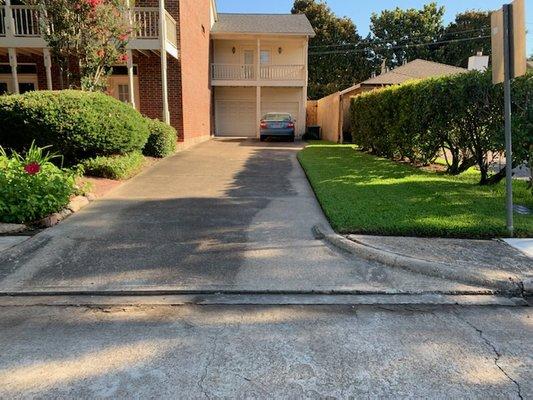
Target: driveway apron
228 214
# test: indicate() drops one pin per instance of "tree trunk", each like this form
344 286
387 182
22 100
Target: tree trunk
466 164
496 178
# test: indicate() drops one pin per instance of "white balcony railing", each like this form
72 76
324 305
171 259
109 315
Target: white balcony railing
171 31
233 72
146 23
245 72
282 72
26 21
146 20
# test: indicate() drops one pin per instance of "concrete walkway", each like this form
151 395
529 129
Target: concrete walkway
225 215
266 353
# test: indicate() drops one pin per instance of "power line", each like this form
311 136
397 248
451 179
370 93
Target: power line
367 49
383 41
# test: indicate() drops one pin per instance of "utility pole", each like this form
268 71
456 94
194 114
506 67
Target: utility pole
508 62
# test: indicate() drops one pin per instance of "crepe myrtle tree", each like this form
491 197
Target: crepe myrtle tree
86 38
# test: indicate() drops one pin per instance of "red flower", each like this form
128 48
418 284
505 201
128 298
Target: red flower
123 37
32 168
100 53
94 3
123 58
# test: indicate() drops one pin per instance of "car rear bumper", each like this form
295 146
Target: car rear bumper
277 132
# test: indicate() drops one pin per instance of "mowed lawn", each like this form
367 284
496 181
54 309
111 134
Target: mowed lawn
360 193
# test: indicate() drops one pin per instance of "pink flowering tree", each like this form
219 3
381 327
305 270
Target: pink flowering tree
86 38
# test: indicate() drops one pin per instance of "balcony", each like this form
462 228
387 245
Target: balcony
146 22
246 74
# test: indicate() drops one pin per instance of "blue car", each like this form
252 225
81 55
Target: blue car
279 125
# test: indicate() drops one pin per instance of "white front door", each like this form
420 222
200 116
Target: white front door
248 62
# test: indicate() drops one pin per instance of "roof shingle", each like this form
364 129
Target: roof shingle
285 24
416 69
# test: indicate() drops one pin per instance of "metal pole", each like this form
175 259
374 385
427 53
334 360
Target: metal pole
507 51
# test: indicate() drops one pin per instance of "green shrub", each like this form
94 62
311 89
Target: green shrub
76 124
31 187
162 140
460 116
114 167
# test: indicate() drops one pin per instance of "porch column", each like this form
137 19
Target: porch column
13 64
131 81
9 22
163 39
258 61
258 110
306 77
129 53
48 68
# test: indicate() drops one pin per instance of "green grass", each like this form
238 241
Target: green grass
360 193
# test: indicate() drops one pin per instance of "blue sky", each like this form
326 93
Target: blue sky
359 10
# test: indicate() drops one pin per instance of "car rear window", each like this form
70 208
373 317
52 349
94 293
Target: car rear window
277 117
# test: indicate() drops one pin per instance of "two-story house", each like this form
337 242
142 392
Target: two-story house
259 66
204 73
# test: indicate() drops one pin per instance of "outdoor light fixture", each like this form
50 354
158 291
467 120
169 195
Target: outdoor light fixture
233 49
280 50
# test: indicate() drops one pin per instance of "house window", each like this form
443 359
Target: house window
26 87
3 88
265 56
21 68
124 93
122 70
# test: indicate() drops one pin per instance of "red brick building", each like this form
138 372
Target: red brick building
187 65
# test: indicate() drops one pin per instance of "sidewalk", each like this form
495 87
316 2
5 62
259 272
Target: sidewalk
484 262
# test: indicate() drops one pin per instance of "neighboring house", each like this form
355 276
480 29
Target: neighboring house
181 49
333 111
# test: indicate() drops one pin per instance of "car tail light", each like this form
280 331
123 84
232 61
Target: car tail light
290 125
263 125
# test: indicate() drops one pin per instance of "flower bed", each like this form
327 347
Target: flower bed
32 187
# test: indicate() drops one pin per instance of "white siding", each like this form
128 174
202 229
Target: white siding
292 51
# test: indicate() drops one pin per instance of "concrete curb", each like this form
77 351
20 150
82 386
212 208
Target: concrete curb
31 244
510 285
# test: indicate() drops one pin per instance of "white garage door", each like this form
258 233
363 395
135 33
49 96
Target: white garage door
235 118
283 107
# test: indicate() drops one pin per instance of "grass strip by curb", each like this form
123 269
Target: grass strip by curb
361 193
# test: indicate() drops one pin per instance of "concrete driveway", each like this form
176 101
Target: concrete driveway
229 214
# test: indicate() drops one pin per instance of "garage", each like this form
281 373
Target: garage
236 108
235 118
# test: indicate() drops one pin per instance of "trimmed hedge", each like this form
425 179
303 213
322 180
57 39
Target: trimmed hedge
114 167
77 124
460 115
162 140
